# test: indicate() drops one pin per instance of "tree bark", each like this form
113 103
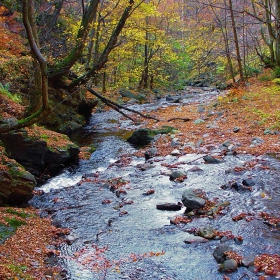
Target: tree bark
62 68
236 42
277 31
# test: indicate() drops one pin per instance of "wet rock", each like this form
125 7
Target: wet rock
228 266
191 200
195 240
150 153
248 182
141 137
248 260
211 160
195 169
85 107
145 166
174 99
236 129
175 142
236 186
219 251
256 141
226 143
207 232
176 174
169 206
175 152
70 239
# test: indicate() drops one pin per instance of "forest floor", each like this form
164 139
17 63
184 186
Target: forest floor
249 112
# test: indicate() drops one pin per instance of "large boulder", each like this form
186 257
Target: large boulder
16 184
141 137
145 136
40 151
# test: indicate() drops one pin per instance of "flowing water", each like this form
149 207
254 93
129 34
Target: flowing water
129 238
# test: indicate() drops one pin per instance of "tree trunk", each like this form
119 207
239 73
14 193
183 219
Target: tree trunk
62 68
237 49
17 124
277 31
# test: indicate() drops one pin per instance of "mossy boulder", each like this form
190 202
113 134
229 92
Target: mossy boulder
131 95
145 136
42 152
141 137
16 184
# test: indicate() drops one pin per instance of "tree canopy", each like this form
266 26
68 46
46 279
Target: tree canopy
144 44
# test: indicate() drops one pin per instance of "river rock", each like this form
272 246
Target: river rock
175 152
191 200
219 251
169 206
236 129
16 184
177 174
192 239
207 232
248 182
211 160
256 141
195 169
150 153
228 266
175 142
248 260
141 137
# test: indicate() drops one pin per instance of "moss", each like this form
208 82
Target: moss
166 129
20 214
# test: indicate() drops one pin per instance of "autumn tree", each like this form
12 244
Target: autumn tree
55 72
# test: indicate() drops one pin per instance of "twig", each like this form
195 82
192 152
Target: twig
244 276
181 119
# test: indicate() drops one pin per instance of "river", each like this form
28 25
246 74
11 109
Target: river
122 235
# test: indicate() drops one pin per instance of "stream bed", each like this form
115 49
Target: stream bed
116 231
